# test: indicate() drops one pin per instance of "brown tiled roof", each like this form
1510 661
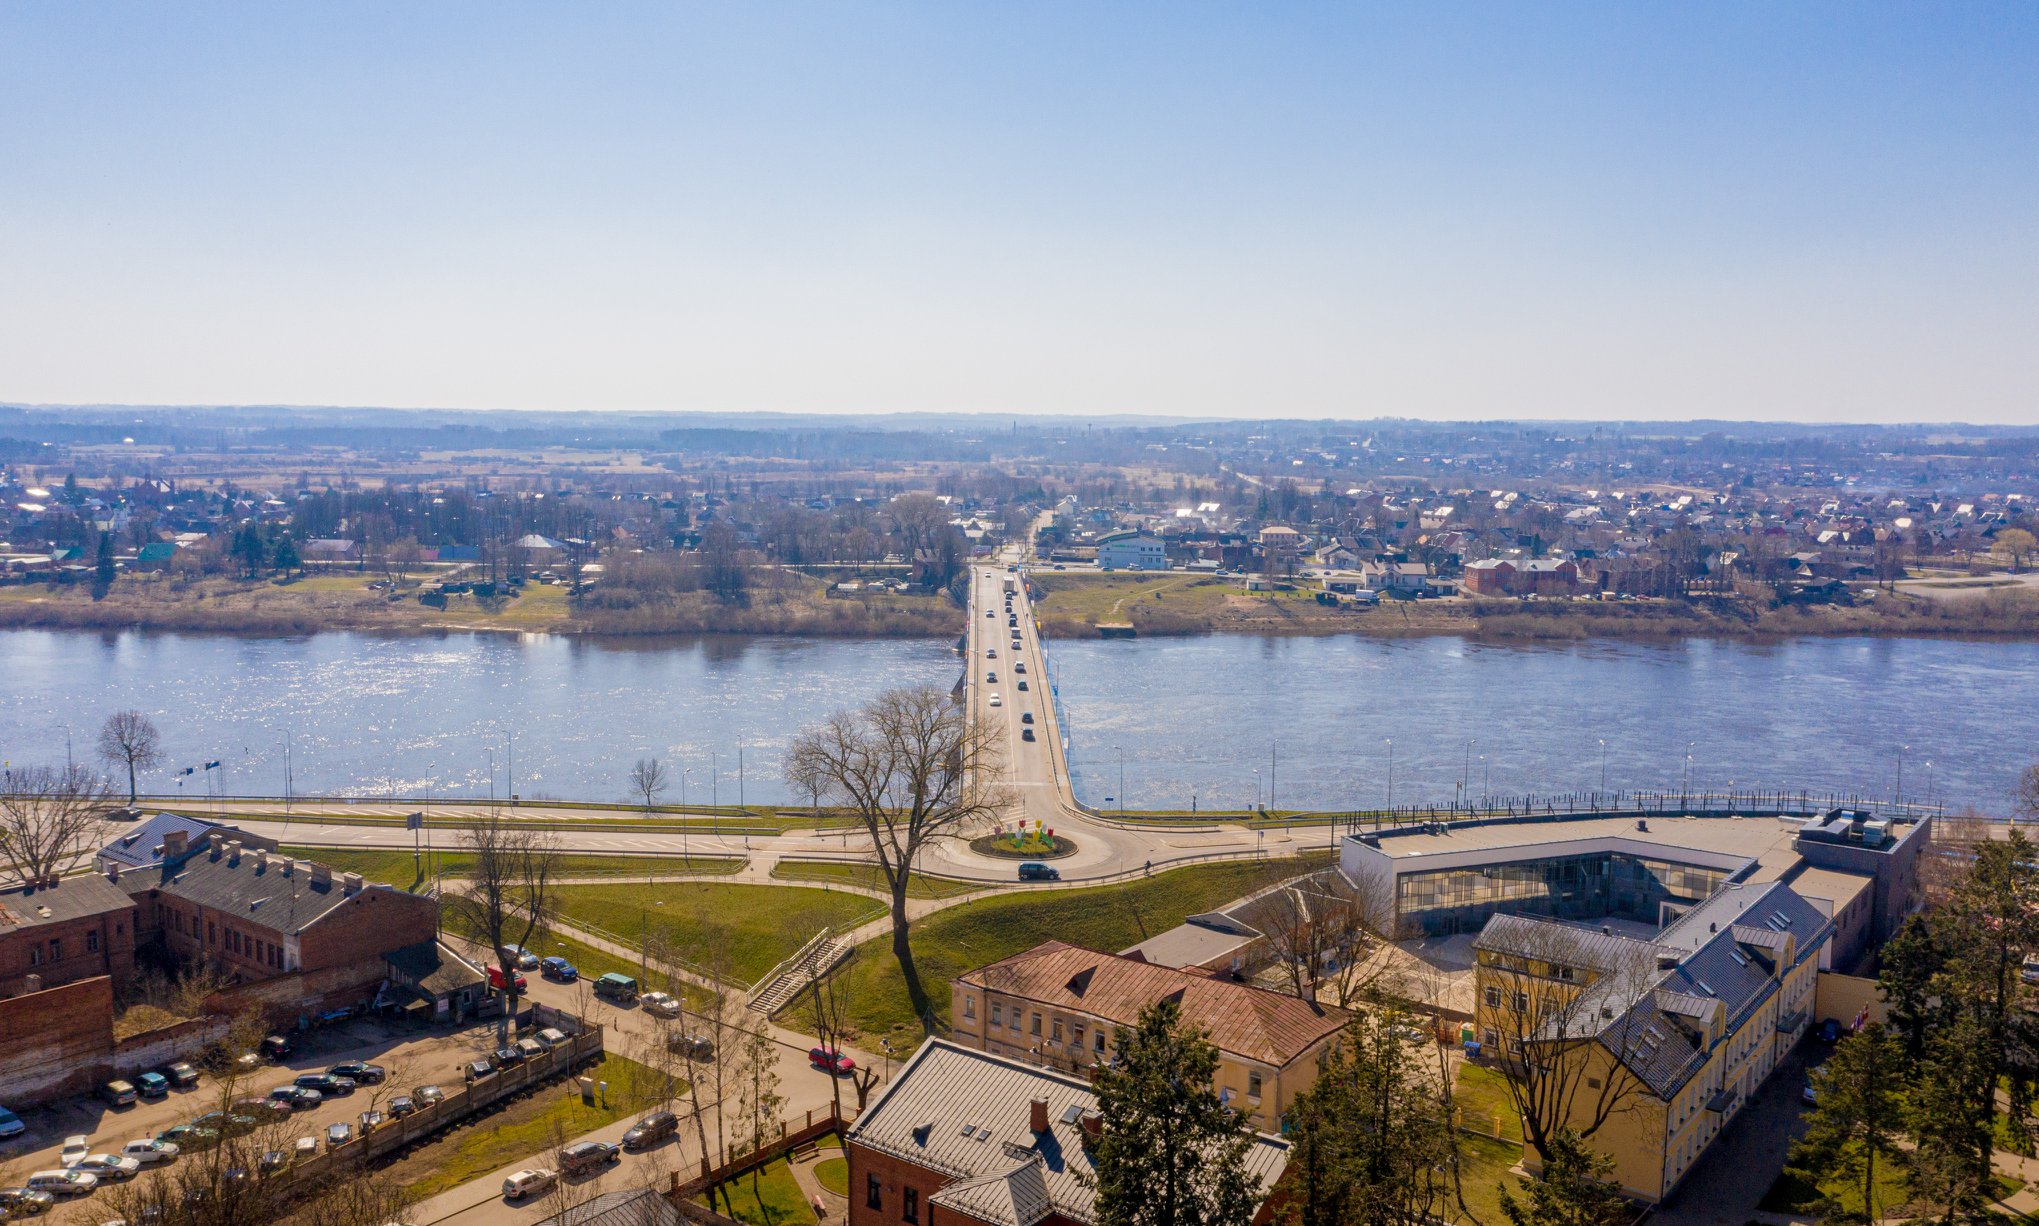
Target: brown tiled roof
1269 1027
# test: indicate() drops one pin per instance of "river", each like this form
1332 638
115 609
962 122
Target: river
1196 718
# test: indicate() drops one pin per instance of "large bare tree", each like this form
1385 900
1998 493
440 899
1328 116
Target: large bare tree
49 819
1328 936
915 770
129 739
507 897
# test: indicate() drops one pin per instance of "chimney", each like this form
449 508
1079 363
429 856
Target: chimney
1037 1115
113 870
289 867
173 844
353 881
212 846
233 852
1093 1128
31 983
322 876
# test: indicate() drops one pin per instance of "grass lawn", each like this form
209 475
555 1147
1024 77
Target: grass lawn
1094 598
768 1197
592 962
394 866
969 935
867 876
764 923
1484 1168
1482 1097
834 1175
529 1125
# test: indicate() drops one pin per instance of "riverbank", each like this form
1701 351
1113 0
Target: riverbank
346 602
1091 606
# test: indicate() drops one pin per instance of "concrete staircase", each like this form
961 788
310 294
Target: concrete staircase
787 980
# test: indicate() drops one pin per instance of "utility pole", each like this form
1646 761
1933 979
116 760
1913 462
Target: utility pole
1899 797
1270 776
1603 763
1391 772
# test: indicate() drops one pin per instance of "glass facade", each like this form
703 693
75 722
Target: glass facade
1571 887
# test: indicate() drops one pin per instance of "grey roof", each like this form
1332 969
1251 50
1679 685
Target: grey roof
1188 944
256 888
433 967
630 1207
71 898
965 1114
143 845
1583 945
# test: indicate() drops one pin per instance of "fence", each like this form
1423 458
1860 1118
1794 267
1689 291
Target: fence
814 1127
1638 804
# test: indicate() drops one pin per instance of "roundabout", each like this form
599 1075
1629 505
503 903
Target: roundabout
1023 846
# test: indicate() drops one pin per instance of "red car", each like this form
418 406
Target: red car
829 1060
496 979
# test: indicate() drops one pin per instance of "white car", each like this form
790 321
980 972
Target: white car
113 1168
530 1180
62 1183
75 1150
659 1003
10 1124
148 1151
996 701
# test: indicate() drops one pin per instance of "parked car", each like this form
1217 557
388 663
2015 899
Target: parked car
620 988
1830 1031
111 1168
372 1120
427 1095
152 1085
584 1156
551 1036
76 1148
297 1098
651 1130
326 1084
181 1075
401 1106
258 1107
830 1060
10 1124
496 980
23 1202
528 1181
692 1046
118 1093
189 1137
304 1147
151 1152
520 957
504 1057
232 1125
62 1183
360 1074
277 1047
477 1070
531 1048
1033 870
271 1161
339 1134
659 1003
558 969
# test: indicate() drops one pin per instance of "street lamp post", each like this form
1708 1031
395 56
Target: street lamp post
1899 796
1465 773
1256 787
1122 777
1603 764
1391 773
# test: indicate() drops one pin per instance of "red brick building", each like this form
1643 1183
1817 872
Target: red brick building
67 929
262 915
963 1138
1526 577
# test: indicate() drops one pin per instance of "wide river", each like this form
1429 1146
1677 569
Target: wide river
1204 722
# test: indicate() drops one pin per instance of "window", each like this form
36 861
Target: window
35 955
91 942
1253 1086
211 933
1493 998
57 950
1522 1002
1077 1036
1035 1029
970 1006
1097 1041
909 1205
997 1013
873 1198
1056 1030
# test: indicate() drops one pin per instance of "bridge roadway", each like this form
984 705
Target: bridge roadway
1035 772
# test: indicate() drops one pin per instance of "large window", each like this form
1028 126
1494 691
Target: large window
874 1198
1579 887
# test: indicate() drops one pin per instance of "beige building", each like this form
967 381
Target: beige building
1654 1043
1058 1005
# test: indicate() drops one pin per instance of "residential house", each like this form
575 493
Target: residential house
962 1136
430 982
1059 1005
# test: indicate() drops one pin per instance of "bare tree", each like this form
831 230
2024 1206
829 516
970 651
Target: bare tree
830 997
718 1018
507 896
1328 935
648 781
758 1095
50 819
1563 1001
2028 791
915 770
130 739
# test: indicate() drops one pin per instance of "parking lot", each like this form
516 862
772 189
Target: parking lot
412 1058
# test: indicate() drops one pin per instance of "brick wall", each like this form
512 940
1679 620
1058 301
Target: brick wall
184 1040
56 1042
367 926
283 999
67 951
895 1176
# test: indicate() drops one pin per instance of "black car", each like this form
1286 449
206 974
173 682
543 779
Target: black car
181 1075
587 1156
401 1106
326 1083
651 1130
359 1073
504 1057
475 1070
277 1047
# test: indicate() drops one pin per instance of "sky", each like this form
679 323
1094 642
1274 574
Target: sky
1805 211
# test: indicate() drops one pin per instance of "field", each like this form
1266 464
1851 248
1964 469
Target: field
762 924
867 877
766 1197
971 934
396 867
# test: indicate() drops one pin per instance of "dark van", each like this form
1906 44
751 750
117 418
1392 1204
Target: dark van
621 988
1032 871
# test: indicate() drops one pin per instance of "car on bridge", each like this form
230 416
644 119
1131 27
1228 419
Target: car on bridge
996 701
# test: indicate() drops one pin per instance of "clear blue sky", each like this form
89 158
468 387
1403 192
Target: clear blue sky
1762 210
